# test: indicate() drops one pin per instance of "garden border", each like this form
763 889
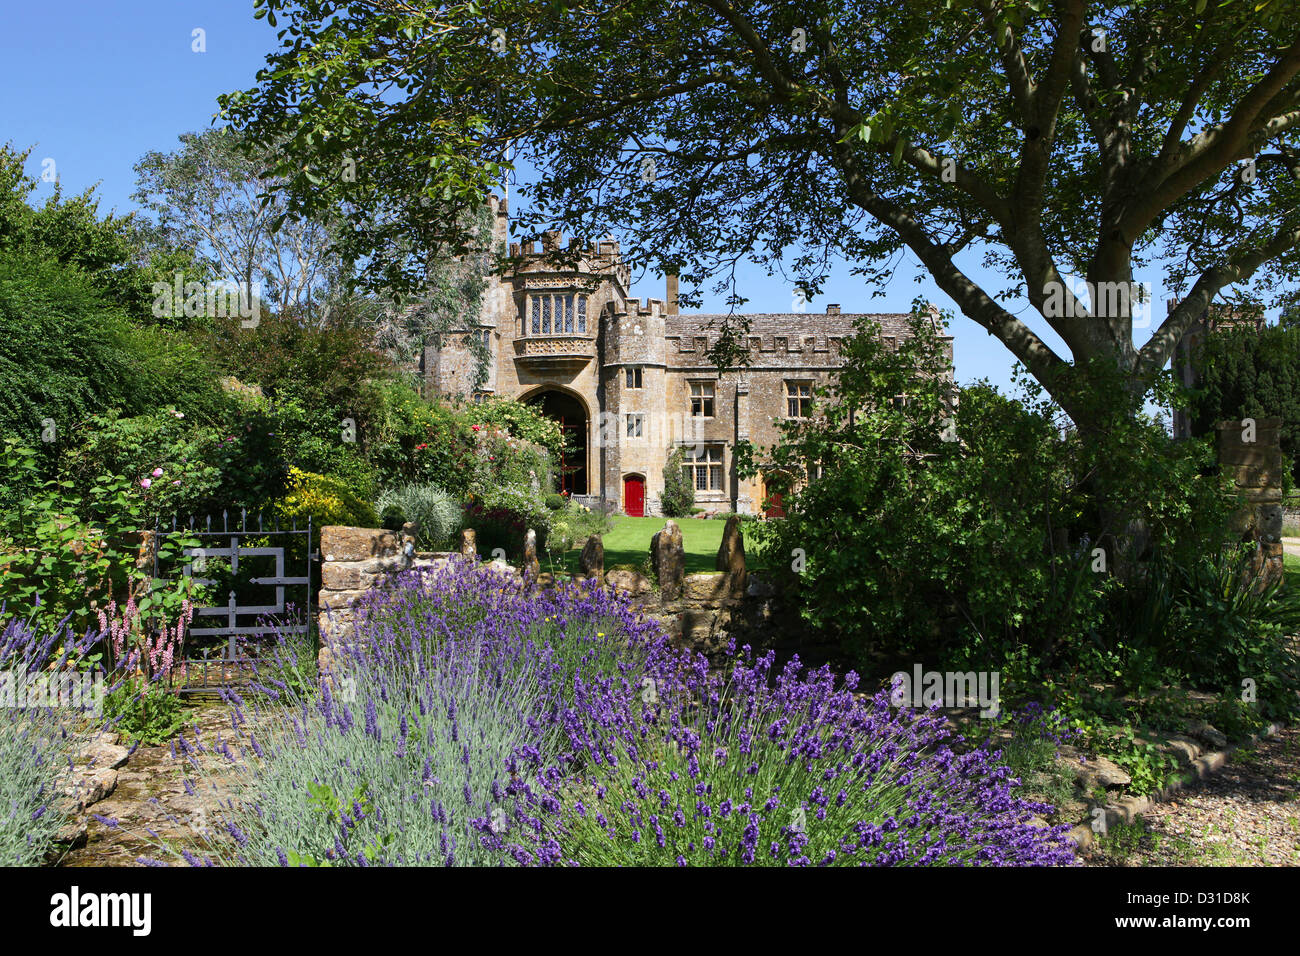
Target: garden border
1129 809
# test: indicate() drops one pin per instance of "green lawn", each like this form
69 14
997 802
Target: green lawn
628 542
1291 565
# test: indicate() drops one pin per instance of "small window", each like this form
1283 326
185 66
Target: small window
480 397
537 315
568 315
798 399
582 315
485 338
546 315
703 467
701 399
634 377
635 424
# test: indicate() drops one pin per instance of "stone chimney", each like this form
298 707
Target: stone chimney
832 308
672 293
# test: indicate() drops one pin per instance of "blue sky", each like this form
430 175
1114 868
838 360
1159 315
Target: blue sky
93 86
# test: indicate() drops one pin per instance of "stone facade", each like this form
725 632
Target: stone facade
632 380
1250 452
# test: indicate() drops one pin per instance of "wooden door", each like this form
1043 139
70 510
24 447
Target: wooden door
634 496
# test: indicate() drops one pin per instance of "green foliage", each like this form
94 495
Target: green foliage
1139 757
502 514
678 498
969 534
1030 745
922 147
1249 374
187 454
340 814
144 711
1208 618
1237 719
67 353
438 513
525 422
120 256
65 550
289 666
573 524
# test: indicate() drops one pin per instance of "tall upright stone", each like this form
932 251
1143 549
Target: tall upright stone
592 561
668 557
731 556
468 543
1250 452
531 566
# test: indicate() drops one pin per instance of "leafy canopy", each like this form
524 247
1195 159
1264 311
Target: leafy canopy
1051 138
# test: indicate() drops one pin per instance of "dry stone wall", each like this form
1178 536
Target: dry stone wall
702 611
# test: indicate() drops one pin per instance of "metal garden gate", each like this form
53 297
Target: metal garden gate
243 617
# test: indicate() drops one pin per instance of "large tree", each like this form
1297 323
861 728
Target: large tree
214 195
1051 138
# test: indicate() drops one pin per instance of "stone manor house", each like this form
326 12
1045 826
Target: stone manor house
630 381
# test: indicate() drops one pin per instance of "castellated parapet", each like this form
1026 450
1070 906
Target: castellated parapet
631 381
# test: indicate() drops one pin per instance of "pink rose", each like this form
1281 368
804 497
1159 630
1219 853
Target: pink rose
146 482
157 472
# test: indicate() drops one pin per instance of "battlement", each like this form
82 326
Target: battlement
606 253
653 308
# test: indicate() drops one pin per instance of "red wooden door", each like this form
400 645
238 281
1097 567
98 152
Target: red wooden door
634 496
774 508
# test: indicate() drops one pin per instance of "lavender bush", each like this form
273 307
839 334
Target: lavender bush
458 688
472 723
37 743
744 771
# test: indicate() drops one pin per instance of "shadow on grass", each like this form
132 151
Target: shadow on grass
627 544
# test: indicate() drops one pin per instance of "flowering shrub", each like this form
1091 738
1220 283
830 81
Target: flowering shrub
327 500
469 722
140 703
502 514
62 552
737 770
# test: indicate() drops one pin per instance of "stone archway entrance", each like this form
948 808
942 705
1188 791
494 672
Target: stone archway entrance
572 416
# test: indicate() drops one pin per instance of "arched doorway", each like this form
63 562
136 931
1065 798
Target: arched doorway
572 416
634 496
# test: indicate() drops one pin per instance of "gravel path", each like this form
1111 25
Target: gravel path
1248 814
